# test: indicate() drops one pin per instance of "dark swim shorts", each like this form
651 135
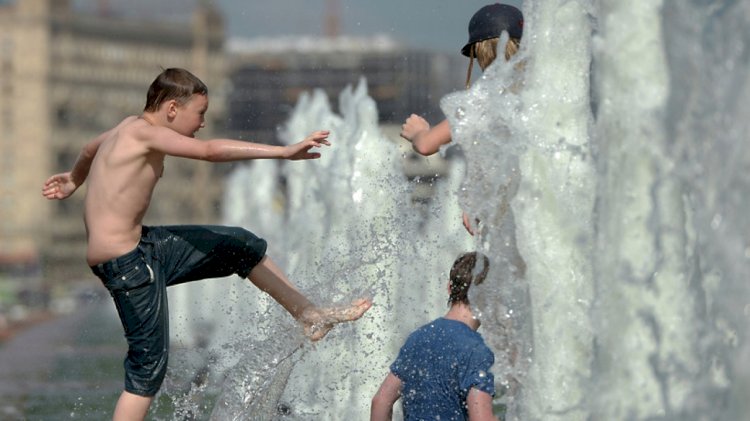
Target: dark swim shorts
166 256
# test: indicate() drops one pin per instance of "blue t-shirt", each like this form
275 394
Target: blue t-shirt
438 365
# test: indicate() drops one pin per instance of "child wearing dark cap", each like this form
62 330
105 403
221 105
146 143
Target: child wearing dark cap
485 29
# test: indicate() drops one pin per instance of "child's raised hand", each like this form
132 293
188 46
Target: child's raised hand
301 150
413 126
59 186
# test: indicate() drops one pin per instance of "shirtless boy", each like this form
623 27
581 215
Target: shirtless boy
136 263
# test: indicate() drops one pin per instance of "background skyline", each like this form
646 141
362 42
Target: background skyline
436 25
439 25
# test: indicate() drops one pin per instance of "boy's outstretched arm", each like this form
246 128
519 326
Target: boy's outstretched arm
61 186
301 150
425 140
387 395
170 142
222 150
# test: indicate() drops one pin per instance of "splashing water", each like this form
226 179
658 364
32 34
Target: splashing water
367 245
616 216
607 165
346 227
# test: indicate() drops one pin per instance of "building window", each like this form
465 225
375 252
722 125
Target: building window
63 116
66 159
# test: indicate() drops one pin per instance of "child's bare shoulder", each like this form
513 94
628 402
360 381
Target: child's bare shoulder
127 121
134 128
131 134
121 127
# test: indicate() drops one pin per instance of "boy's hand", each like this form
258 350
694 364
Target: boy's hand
59 186
413 126
301 150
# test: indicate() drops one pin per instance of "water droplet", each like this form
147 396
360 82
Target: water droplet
716 222
460 113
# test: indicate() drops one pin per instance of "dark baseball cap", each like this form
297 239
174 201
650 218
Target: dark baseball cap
490 21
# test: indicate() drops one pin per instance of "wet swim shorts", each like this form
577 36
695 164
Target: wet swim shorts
167 256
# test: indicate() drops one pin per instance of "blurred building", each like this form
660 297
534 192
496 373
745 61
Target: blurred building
68 75
267 77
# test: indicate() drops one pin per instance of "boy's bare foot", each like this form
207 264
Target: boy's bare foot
318 321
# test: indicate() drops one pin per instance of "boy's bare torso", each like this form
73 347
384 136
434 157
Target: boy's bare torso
121 181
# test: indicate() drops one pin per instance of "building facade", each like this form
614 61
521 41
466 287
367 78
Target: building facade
267 77
66 76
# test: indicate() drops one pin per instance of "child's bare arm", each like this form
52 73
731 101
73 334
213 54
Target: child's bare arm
61 186
170 142
387 395
424 139
301 150
479 405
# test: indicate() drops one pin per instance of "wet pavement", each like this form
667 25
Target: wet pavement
70 367
66 367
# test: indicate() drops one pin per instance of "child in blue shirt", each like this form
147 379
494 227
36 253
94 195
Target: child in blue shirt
443 369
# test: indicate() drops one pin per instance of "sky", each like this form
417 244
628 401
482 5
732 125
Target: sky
438 25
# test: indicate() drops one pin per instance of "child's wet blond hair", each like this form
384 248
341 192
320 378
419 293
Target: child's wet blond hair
486 52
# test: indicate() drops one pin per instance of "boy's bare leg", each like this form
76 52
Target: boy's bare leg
131 407
317 321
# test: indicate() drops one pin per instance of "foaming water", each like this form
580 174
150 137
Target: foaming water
525 129
636 278
373 241
607 165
